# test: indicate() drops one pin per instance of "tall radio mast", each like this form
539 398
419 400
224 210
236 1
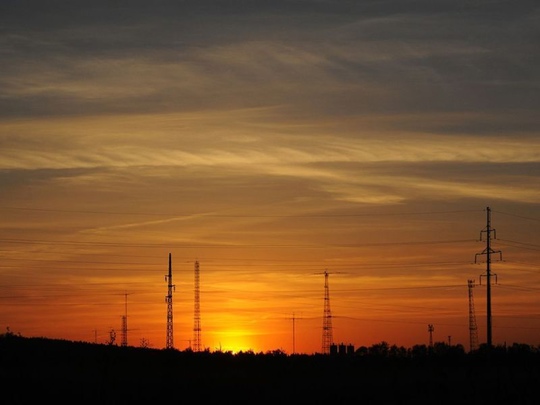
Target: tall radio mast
124 324
168 299
473 329
327 337
197 312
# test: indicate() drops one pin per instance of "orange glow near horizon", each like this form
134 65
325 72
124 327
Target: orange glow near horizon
253 302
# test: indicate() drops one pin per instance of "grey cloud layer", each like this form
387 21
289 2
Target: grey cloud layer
353 57
316 90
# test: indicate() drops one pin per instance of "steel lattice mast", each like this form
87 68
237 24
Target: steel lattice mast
197 312
473 329
125 325
168 299
327 318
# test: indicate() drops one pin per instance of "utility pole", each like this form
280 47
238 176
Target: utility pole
294 318
168 299
488 251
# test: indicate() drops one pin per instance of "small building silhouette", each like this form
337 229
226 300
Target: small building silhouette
341 349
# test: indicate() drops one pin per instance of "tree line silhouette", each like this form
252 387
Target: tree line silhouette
39 369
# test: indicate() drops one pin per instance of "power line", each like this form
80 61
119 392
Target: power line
517 287
261 263
237 215
517 216
529 246
235 245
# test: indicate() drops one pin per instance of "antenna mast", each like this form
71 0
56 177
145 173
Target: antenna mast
430 330
294 318
293 334
124 325
197 312
488 252
327 318
473 329
168 299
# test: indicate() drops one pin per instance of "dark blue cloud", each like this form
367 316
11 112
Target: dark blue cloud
372 56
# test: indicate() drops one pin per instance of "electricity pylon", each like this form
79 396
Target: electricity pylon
488 251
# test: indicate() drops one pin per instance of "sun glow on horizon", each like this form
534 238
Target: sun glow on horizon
235 341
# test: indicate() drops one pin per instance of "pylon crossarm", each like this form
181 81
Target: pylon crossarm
476 257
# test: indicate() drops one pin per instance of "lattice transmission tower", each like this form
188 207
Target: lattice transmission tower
473 329
197 312
168 299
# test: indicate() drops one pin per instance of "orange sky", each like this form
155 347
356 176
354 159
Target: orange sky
271 143
384 284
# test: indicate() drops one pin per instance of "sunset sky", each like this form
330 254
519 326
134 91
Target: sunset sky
270 141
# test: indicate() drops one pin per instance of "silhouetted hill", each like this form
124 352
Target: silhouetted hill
57 371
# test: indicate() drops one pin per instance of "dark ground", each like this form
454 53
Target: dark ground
37 370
